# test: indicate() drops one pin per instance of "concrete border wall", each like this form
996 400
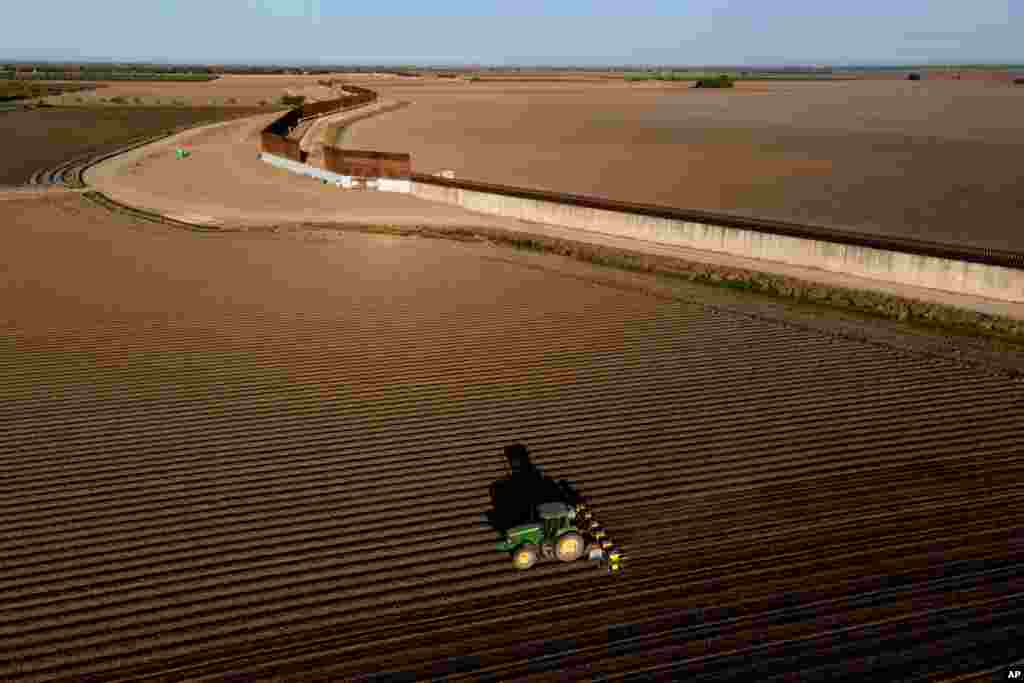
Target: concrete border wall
953 275
400 185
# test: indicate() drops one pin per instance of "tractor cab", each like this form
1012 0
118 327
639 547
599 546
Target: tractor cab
556 518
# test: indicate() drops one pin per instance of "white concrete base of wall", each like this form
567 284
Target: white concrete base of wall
343 181
962 277
394 185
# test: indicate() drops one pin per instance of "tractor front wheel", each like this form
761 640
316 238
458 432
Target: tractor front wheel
569 547
525 556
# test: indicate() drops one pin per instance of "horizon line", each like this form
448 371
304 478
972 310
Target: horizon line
510 65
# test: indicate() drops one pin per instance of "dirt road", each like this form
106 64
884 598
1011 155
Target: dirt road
223 182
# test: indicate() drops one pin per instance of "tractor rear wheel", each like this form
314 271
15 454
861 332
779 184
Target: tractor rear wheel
569 547
525 556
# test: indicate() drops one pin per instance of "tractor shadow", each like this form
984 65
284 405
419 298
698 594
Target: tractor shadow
515 497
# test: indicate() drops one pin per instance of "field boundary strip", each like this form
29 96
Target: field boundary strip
114 206
983 255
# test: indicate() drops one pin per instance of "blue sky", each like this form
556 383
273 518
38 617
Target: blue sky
519 31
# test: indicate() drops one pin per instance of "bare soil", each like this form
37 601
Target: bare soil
931 160
223 182
243 456
32 140
243 91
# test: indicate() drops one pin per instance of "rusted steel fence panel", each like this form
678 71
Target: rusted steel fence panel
273 138
363 163
319 108
280 146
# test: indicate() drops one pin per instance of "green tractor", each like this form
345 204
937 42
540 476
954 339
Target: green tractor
554 536
539 518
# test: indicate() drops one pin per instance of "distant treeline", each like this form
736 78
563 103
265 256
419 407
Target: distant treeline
397 70
936 67
193 70
89 75
734 76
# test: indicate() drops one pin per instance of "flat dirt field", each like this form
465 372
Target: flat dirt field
251 457
246 91
931 160
41 138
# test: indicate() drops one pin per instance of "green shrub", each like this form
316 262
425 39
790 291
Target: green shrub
722 81
138 100
118 100
293 100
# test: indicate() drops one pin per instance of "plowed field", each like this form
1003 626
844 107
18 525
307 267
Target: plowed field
33 140
252 457
937 161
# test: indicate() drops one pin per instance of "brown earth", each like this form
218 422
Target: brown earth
34 140
242 456
224 184
931 160
247 91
